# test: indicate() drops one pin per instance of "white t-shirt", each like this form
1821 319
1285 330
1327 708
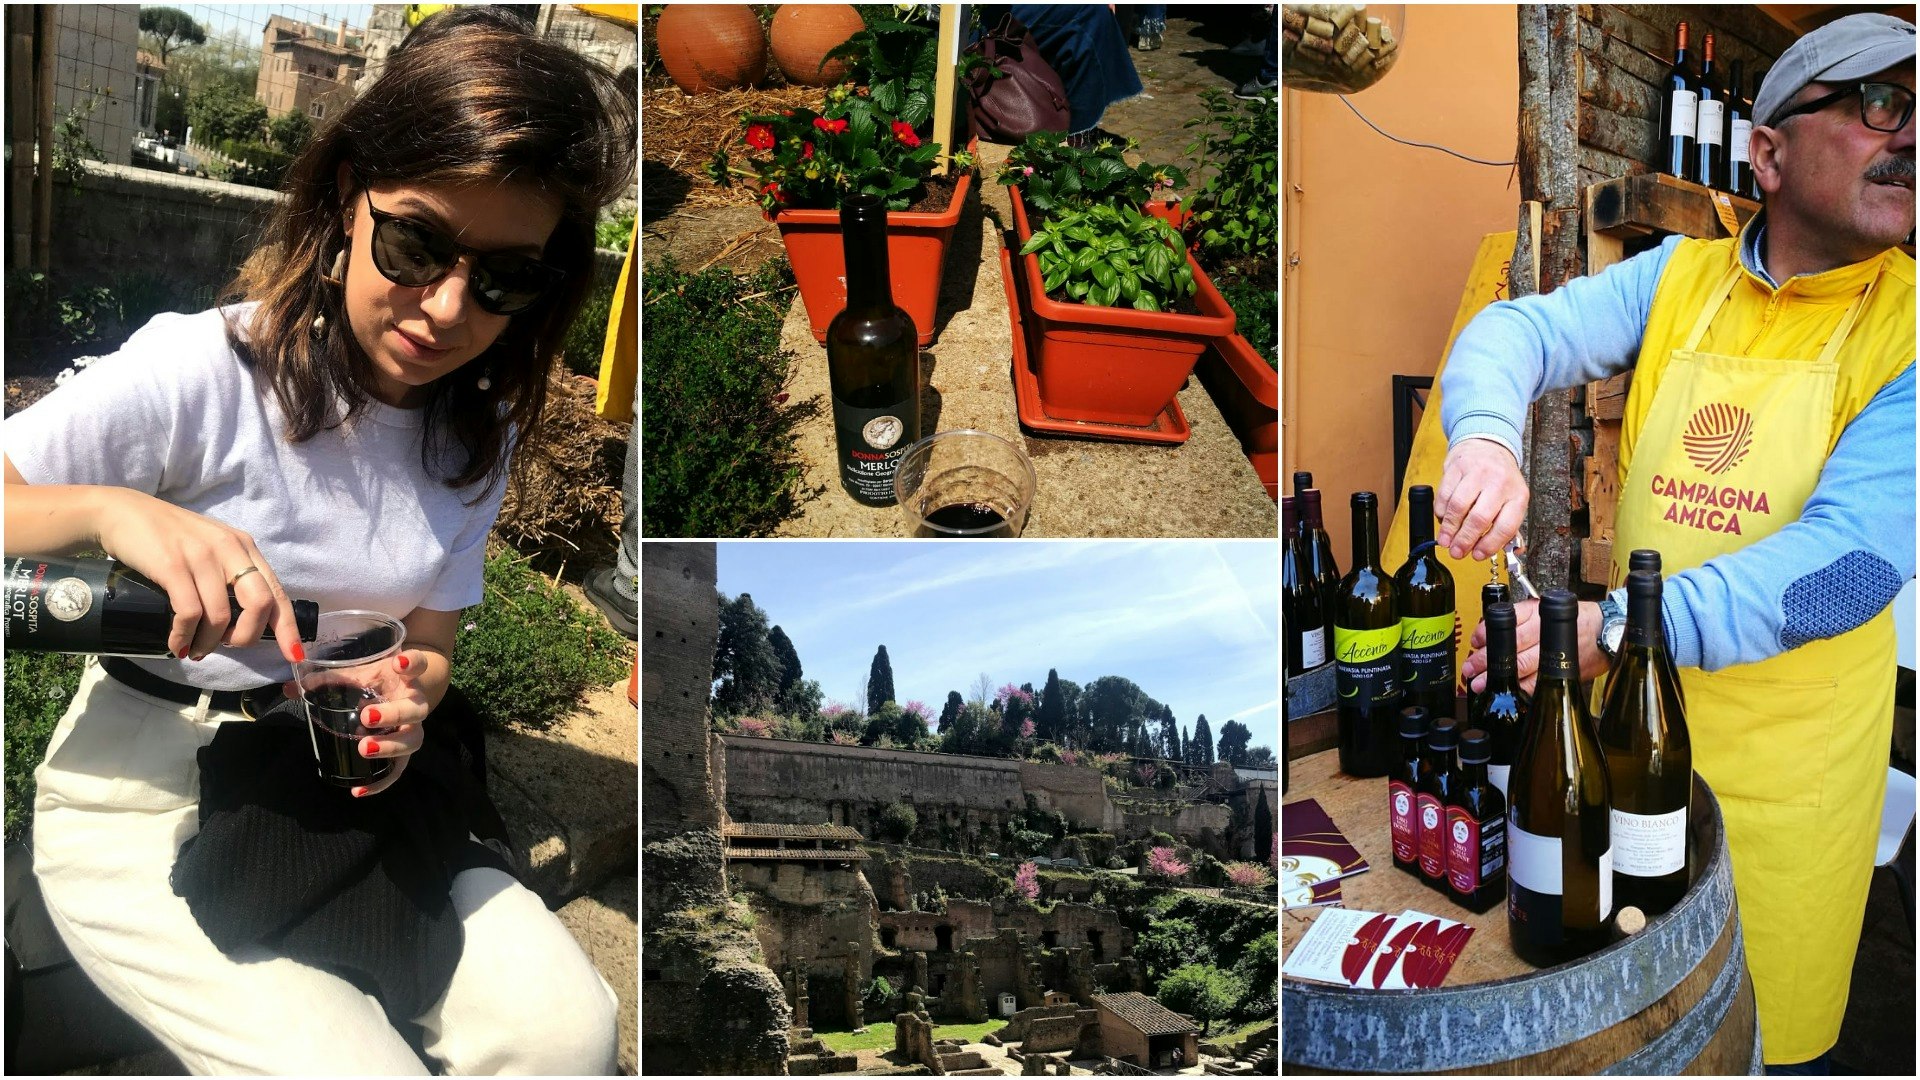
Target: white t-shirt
349 518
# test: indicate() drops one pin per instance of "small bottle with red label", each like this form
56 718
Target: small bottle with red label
1476 829
1439 776
1403 786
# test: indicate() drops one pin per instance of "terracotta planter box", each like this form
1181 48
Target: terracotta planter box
916 257
1247 391
1117 365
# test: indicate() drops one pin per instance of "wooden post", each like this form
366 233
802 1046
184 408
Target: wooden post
47 35
943 86
1550 65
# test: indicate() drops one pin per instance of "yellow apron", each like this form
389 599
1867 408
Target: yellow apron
1795 747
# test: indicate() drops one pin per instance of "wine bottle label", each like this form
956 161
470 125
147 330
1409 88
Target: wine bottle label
1650 845
1433 836
1365 661
1533 861
1711 125
1475 850
1426 653
1313 648
1405 824
871 443
1684 109
55 606
1497 776
1741 134
1606 883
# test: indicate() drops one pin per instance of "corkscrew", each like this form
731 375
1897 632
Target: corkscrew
1516 566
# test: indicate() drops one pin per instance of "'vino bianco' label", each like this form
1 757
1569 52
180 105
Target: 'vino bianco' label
1684 108
1710 128
1313 648
1650 845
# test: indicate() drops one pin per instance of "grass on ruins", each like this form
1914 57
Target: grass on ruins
880 1036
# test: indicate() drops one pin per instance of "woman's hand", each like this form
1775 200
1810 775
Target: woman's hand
393 722
194 558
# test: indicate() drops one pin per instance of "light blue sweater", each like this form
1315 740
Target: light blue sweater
1831 571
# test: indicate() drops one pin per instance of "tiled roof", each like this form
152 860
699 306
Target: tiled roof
797 854
758 830
1144 1013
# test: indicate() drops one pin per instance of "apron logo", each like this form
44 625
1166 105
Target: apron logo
1718 437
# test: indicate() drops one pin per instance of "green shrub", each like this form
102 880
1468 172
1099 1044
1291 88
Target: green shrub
877 994
720 457
897 822
1258 972
39 686
1256 310
1202 992
615 233
528 652
1236 214
586 339
1169 944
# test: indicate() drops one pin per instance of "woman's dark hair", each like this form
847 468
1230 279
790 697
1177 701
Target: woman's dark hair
471 95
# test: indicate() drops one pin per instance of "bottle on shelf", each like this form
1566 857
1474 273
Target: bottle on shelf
69 605
1739 129
1559 829
1500 709
1366 647
1476 830
1403 787
873 361
1643 735
1439 777
1424 589
1316 549
1679 114
1710 127
1753 179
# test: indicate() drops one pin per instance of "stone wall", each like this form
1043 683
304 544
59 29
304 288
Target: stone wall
680 621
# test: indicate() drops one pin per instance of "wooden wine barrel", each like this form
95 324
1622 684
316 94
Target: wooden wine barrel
1673 998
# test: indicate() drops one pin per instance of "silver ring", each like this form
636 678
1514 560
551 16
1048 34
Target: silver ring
244 573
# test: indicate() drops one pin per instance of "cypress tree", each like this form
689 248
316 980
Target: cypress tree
1203 739
879 682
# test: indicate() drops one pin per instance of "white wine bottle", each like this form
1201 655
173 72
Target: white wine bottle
873 361
1500 709
1643 734
1559 832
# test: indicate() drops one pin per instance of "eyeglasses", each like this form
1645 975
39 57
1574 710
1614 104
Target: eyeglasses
1883 106
413 254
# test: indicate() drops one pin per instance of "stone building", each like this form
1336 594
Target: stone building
814 915
307 68
609 40
95 63
1137 1029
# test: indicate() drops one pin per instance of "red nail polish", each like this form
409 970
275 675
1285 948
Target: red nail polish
373 716
359 791
372 748
299 653
183 654
404 662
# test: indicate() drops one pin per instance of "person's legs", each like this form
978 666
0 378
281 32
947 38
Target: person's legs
615 589
1149 25
1269 77
1084 45
117 796
524 999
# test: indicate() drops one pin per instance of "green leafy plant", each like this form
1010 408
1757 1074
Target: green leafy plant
39 686
1053 176
290 131
720 457
1256 309
89 314
1236 213
1111 255
877 994
71 147
226 110
528 652
586 338
1201 991
614 233
898 821
809 159
896 56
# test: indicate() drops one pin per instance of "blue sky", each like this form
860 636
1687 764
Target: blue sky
1195 623
250 20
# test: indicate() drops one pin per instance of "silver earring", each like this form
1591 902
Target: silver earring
338 273
319 325
486 380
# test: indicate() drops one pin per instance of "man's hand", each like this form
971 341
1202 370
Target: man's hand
1526 642
1482 499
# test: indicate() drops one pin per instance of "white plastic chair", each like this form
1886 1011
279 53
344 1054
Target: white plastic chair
1896 828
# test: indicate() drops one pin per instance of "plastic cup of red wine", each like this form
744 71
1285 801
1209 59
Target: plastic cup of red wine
964 484
338 680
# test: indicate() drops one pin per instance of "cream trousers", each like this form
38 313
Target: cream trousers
118 795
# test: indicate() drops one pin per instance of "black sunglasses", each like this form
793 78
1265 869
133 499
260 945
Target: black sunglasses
1883 106
410 253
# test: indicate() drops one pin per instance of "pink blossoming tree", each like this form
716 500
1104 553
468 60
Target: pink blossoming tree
1161 862
1026 881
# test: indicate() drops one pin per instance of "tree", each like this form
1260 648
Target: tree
290 132
1233 742
910 727
1186 747
225 111
1051 722
1203 742
897 821
1258 972
1168 944
1114 706
879 680
1026 881
1163 862
951 712
1169 734
982 690
801 700
877 994
745 669
171 29
1261 757
1201 991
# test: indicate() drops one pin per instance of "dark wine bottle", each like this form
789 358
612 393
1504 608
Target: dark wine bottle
1649 559
1305 600
63 605
1403 787
1679 113
1739 131
1500 709
1643 734
1710 125
1438 779
1476 830
873 361
1424 590
1302 480
1289 584
1317 550
1366 647
1559 833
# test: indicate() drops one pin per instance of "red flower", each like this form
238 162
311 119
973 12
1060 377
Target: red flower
760 136
774 190
903 131
806 151
831 127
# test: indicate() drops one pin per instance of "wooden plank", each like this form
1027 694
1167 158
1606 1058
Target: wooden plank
1656 202
1743 22
1596 561
1603 480
944 92
1623 135
1607 85
1607 398
1604 166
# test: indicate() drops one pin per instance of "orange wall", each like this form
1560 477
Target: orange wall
1380 237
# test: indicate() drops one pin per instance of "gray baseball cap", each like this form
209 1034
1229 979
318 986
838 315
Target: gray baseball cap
1843 50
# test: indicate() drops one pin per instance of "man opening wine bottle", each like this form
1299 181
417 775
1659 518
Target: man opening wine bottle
1767 453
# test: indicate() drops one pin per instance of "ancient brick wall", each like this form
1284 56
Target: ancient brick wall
679 622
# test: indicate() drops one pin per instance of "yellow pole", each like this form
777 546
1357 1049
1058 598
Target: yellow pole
943 85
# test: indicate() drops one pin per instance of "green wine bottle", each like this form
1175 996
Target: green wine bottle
1366 646
1424 589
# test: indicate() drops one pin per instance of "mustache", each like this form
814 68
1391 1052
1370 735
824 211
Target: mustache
1899 168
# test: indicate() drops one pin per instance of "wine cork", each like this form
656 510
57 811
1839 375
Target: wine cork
1317 44
1319 27
1628 922
1293 20
1373 33
1343 41
1386 36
